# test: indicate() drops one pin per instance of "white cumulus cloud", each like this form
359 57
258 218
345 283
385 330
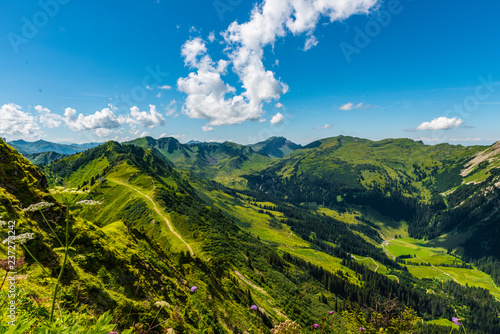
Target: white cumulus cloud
311 41
211 37
146 119
15 123
100 120
351 106
178 137
192 49
324 127
210 97
207 128
277 119
207 94
171 110
48 119
441 123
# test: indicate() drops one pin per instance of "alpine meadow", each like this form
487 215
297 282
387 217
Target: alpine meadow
249 167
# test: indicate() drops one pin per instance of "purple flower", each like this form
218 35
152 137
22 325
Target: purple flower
254 307
316 326
194 288
455 321
362 329
331 312
113 333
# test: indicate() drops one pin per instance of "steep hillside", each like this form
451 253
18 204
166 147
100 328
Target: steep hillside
124 260
45 158
143 233
222 162
345 169
139 188
443 191
19 178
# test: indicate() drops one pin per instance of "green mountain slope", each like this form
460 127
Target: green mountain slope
159 226
125 265
44 158
444 192
275 147
145 198
222 162
273 223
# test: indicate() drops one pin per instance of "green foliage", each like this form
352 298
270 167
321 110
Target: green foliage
67 324
125 260
45 158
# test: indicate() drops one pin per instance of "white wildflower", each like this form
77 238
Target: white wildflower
38 206
63 190
21 237
27 236
89 202
162 303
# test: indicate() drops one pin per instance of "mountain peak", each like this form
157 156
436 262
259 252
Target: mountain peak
275 147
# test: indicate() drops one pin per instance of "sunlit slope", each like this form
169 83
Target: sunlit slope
121 267
262 242
140 189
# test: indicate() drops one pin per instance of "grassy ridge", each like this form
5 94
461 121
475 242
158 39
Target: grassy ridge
239 240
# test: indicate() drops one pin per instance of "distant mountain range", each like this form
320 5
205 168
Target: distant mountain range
42 152
223 162
40 146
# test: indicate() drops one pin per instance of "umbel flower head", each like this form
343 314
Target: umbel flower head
23 238
64 190
89 202
38 206
162 303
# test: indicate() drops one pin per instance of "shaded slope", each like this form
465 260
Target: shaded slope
222 162
275 147
400 178
45 158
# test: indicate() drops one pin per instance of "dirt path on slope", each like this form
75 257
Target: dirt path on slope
438 269
393 276
387 251
247 281
360 259
169 224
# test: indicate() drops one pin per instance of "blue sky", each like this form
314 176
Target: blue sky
236 70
